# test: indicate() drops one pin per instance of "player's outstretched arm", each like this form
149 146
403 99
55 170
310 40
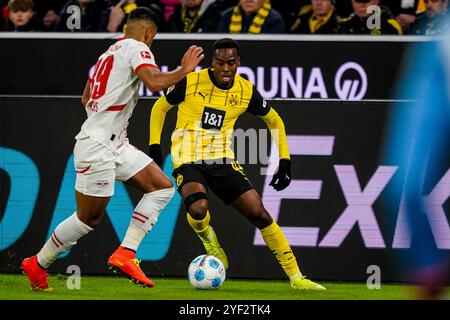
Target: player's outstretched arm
282 178
156 80
157 118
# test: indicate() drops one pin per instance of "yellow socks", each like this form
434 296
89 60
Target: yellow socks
201 227
277 243
273 237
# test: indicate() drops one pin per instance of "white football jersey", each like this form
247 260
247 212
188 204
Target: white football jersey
114 92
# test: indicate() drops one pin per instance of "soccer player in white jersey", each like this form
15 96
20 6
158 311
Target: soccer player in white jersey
102 152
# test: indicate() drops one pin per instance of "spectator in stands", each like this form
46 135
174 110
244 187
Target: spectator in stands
432 22
344 8
359 23
195 16
21 16
120 9
251 16
50 20
92 17
321 18
290 10
404 12
47 12
168 7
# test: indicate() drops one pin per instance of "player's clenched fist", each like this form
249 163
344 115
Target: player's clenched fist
192 58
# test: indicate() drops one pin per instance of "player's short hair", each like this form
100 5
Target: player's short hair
21 5
144 14
226 43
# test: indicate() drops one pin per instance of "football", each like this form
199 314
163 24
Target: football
206 272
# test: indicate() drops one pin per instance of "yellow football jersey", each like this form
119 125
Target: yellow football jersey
207 113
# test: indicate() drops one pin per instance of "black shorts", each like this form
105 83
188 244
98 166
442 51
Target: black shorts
228 180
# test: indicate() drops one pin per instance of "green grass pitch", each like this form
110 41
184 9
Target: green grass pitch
15 287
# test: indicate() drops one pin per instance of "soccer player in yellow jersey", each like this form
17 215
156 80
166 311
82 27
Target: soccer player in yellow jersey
209 103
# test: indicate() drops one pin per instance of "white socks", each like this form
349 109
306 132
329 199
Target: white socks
63 238
70 230
145 216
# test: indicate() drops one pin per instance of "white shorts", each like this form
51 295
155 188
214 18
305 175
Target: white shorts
97 167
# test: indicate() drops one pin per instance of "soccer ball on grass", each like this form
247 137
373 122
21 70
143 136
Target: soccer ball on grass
206 272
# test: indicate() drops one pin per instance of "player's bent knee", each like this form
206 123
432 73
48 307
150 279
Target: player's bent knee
155 202
167 184
161 197
161 185
170 191
193 198
198 209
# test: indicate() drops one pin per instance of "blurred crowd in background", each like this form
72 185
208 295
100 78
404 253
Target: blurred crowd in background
397 17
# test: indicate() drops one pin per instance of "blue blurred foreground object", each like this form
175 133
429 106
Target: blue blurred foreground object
419 143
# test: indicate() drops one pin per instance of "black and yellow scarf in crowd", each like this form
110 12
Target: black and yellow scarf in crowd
189 21
257 23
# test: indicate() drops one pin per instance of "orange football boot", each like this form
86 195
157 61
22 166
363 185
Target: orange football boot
124 261
35 274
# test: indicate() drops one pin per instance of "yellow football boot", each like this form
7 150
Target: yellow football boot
302 283
212 247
